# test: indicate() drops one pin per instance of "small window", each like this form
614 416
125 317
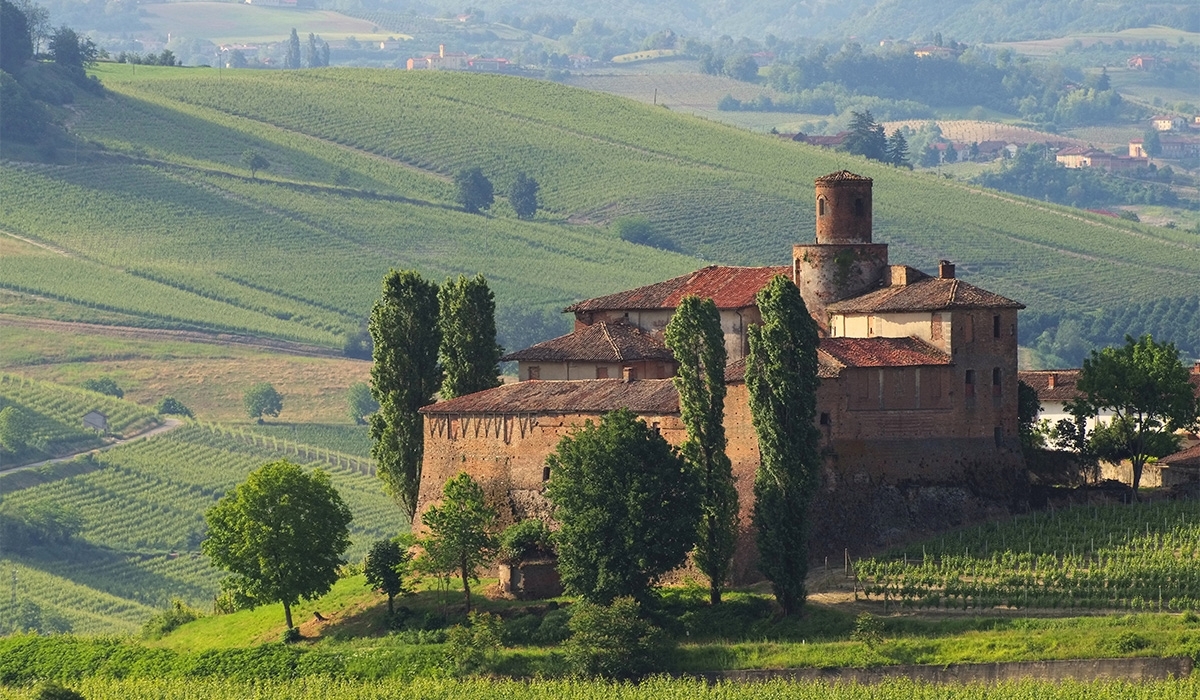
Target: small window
996 381
656 428
824 419
995 326
601 373
860 207
821 207
535 372
545 474
969 388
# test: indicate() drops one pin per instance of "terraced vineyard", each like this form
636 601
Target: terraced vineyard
1141 557
141 506
165 225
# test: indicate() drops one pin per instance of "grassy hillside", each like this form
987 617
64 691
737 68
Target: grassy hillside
163 225
140 507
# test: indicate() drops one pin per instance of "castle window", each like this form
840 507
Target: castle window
535 372
995 381
824 419
821 206
995 326
545 474
969 387
860 207
656 428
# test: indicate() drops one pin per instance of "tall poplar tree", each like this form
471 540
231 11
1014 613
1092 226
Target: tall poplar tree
781 376
467 320
695 338
292 58
404 377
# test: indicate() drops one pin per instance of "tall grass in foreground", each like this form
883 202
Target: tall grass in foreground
655 689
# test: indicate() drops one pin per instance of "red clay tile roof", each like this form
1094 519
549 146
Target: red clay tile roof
882 352
729 287
836 354
930 294
841 176
575 396
599 342
1064 383
1185 458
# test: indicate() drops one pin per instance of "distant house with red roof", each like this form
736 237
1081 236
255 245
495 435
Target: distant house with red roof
917 395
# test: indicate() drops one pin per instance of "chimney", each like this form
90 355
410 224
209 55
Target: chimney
627 374
945 270
1051 381
441 50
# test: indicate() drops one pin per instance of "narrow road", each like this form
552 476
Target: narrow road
168 425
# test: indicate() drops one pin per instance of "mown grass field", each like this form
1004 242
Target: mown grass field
165 227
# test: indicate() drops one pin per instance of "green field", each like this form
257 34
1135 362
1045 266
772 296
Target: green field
225 22
164 226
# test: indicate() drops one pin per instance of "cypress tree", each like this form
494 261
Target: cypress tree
404 377
781 376
292 59
467 320
695 338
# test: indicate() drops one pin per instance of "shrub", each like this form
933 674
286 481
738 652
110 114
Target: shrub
613 641
163 623
104 385
1129 642
291 635
171 406
868 629
473 647
528 539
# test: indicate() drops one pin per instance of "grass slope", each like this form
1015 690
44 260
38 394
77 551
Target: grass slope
165 226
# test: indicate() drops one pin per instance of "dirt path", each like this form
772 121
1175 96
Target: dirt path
227 339
167 425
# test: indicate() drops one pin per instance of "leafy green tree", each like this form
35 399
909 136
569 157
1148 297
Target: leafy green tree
613 641
386 566
104 385
523 196
281 533
627 505
743 68
292 58
16 46
171 406
1028 408
467 320
1152 143
404 377
866 137
781 377
897 150
1145 385
461 529
262 400
69 50
254 161
362 403
474 190
695 337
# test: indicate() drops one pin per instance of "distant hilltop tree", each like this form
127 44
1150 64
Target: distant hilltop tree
475 191
255 161
523 196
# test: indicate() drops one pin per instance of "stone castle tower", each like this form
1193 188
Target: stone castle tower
843 262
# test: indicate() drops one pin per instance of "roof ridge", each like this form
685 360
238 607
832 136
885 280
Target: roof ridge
611 342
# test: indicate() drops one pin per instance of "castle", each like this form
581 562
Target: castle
917 405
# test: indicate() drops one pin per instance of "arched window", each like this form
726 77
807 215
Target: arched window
820 206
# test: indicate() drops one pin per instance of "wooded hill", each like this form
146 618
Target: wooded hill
159 223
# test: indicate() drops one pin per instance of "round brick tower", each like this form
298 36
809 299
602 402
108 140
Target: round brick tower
843 262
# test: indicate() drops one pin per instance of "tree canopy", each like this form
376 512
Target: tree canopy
475 191
262 400
281 533
781 376
1145 385
404 377
523 196
627 505
255 161
16 45
469 354
385 567
461 529
695 338
361 402
866 137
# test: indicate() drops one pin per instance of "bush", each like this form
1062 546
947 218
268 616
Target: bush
526 540
104 385
1129 642
473 647
868 630
613 641
171 406
290 635
163 623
